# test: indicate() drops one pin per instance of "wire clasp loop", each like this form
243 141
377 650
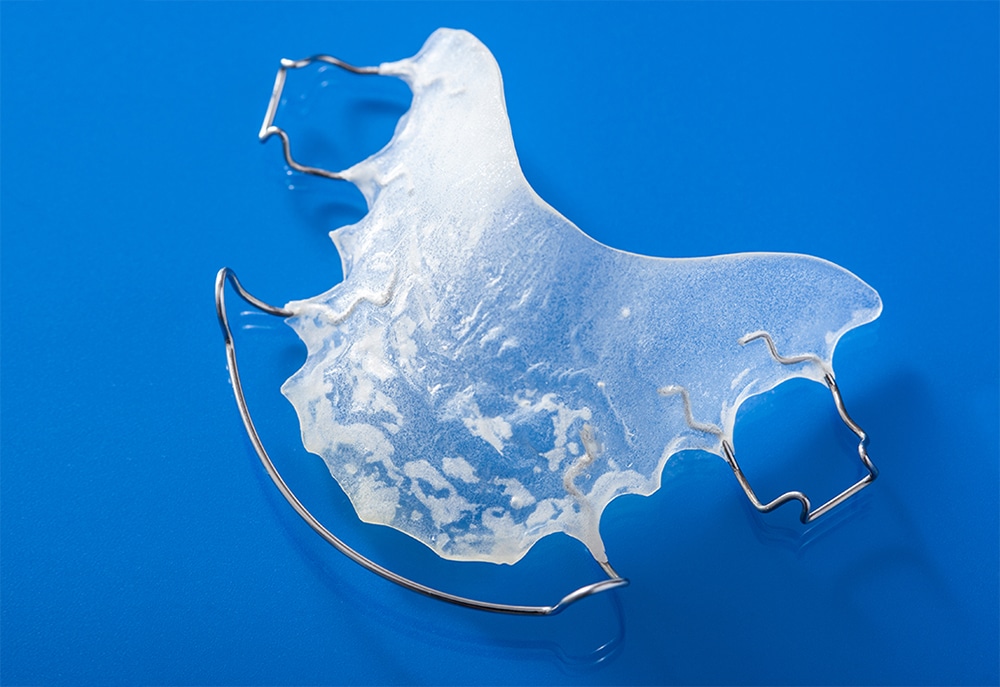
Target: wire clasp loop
808 513
268 128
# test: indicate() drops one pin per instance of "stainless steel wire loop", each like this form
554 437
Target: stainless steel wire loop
268 128
226 274
808 514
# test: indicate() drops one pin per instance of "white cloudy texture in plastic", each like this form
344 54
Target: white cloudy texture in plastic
487 374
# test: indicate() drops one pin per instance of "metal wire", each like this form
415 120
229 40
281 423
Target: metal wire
226 274
808 513
268 128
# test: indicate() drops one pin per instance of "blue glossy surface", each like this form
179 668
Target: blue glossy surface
141 542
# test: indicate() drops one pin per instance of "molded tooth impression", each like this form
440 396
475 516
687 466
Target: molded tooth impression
487 374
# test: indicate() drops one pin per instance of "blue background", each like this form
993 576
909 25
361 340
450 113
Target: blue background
141 542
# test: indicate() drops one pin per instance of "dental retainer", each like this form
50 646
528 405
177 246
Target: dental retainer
486 374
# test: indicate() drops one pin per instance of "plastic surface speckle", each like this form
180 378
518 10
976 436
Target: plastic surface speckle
487 374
